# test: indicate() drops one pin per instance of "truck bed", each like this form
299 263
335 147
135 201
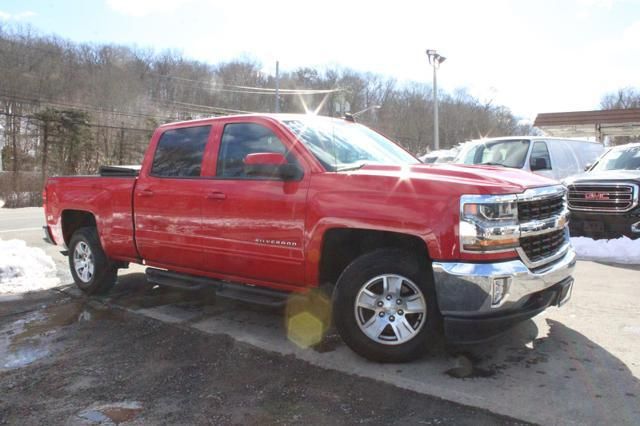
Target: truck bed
119 171
109 198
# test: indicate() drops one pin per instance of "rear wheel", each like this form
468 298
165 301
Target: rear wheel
90 268
385 307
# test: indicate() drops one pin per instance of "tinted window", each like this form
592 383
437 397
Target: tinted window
240 140
179 152
540 150
627 158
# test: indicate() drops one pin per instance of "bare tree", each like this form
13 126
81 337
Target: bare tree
625 98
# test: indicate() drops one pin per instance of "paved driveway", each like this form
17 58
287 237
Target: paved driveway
575 365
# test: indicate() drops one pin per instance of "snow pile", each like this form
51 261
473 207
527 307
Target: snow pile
25 268
620 250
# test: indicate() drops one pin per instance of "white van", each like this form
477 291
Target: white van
555 158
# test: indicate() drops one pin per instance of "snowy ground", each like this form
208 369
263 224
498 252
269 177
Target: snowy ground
24 268
621 250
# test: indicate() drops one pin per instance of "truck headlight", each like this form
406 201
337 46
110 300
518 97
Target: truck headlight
488 223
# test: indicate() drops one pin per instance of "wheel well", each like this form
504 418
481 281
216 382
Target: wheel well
72 220
342 246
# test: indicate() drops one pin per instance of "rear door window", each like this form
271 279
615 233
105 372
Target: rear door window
179 152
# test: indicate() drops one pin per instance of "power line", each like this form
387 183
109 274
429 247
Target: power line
293 91
225 110
103 126
38 101
247 89
56 49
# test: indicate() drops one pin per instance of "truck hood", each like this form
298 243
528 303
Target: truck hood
604 175
479 179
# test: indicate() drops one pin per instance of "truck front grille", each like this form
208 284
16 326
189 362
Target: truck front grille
540 209
542 246
603 197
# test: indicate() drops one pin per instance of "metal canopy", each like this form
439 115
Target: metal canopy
612 122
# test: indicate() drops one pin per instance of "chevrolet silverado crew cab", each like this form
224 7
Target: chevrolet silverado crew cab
267 206
604 200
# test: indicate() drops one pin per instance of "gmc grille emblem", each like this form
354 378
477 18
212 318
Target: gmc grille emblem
596 196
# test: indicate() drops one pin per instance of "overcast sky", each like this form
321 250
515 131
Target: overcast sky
532 56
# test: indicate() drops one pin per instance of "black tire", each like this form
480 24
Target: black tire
104 274
347 318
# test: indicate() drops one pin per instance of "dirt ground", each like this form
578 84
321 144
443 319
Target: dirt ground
72 361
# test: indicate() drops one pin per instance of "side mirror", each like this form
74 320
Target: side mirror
587 167
271 165
539 164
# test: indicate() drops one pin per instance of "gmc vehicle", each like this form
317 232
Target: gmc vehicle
554 158
604 200
259 207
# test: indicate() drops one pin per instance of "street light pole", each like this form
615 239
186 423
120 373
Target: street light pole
436 124
435 59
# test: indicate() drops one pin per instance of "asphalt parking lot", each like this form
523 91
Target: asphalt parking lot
575 365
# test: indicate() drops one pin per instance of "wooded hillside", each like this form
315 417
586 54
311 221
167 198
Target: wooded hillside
67 108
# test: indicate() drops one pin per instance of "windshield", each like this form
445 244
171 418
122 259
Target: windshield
340 145
509 153
619 159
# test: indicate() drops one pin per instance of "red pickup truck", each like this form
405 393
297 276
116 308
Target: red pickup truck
261 206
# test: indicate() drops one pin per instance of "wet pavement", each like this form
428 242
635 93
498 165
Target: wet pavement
79 361
542 371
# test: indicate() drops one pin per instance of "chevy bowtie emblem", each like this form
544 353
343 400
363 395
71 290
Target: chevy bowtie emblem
596 196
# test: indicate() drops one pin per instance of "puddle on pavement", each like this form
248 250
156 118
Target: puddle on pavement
11 297
466 367
16 357
114 413
32 337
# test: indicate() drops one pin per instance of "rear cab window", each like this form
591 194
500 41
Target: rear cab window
179 152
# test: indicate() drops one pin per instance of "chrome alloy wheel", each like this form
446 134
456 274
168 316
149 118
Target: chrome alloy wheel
390 309
83 262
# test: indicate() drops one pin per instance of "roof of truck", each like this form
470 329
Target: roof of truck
274 116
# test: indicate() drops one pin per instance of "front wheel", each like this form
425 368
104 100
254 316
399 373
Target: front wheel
385 307
90 267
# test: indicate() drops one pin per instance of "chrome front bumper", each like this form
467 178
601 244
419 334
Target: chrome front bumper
466 289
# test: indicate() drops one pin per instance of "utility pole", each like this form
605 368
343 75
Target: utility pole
277 109
121 145
435 59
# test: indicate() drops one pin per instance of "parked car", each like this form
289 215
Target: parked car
259 207
604 200
551 157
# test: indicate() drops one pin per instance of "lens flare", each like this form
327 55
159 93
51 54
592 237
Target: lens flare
308 317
